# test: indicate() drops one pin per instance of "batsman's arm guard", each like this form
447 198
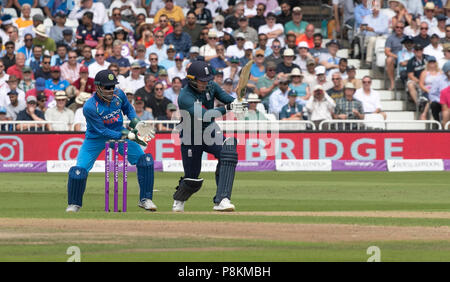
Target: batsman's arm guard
187 187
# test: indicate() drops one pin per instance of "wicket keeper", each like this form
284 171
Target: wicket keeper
196 102
104 119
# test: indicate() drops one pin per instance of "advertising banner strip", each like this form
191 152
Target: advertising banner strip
23 166
359 165
416 165
446 164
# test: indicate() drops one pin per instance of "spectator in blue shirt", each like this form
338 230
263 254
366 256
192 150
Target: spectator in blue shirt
54 6
115 22
27 49
180 39
292 110
360 12
219 62
55 83
61 55
116 57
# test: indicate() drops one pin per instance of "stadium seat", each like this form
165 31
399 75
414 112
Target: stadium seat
36 11
10 11
149 20
374 121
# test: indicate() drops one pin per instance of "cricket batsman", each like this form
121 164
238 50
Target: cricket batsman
196 101
104 119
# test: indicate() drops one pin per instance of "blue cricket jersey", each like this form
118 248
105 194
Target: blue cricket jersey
106 121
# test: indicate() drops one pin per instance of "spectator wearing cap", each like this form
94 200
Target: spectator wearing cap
309 76
321 79
15 105
272 29
330 60
60 113
375 27
423 38
414 69
428 17
157 102
392 47
238 48
286 66
267 83
97 8
27 48
70 40
170 60
435 48
308 36
163 77
135 80
231 21
173 92
140 55
159 48
192 27
303 56
228 87
45 69
440 28
429 77
178 70
116 57
404 55
279 97
25 17
301 88
219 63
47 43
446 51
180 39
40 90
369 98
90 32
9 59
139 107
5 22
248 53
320 106
296 26
292 110
257 70
173 12
194 53
347 107
99 64
218 77
56 30
55 82
84 83
337 91
61 55
254 113
27 81
208 51
203 14
30 113
16 69
170 113
232 71
351 77
70 70
79 121
250 34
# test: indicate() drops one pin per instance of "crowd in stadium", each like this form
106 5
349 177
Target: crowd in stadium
49 59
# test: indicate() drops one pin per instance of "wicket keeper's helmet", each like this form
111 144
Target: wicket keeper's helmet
199 70
105 78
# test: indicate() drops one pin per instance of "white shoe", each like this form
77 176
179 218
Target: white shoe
178 206
224 205
147 204
73 208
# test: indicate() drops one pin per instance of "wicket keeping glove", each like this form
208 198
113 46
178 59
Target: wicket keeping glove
133 135
134 122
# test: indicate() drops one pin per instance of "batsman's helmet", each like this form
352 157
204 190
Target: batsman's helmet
199 70
105 78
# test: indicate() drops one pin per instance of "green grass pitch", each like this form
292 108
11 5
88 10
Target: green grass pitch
29 203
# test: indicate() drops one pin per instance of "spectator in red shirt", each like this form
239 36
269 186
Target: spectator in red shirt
445 103
164 25
17 68
84 83
308 36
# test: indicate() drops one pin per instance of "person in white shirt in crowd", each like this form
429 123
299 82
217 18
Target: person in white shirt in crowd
330 60
342 69
135 80
178 70
272 29
310 76
60 113
430 76
173 92
440 28
303 56
217 6
238 48
374 27
320 106
435 48
428 16
413 28
127 7
250 8
15 105
369 98
232 71
321 79
79 121
443 60
98 9
208 51
99 64
279 97
11 84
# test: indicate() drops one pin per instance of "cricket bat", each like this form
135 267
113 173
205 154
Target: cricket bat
243 80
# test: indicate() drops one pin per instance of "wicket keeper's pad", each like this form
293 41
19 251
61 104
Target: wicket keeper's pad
227 166
76 185
145 175
186 188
